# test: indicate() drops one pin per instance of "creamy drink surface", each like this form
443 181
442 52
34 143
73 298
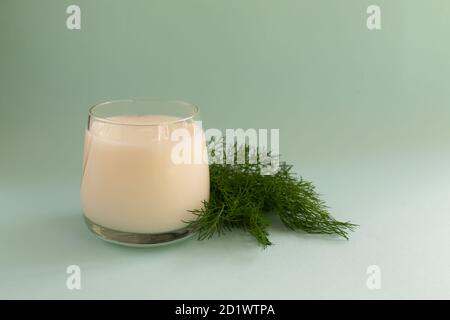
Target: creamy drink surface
130 181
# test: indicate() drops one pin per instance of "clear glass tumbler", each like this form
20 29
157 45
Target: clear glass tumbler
144 169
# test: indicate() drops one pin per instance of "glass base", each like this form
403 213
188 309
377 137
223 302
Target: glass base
137 239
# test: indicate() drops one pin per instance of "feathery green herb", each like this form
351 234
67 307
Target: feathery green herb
242 197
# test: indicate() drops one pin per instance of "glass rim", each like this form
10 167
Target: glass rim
193 112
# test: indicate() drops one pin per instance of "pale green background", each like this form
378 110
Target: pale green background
363 114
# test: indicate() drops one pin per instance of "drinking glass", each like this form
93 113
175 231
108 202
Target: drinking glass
144 171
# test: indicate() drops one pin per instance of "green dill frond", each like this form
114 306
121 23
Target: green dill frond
242 197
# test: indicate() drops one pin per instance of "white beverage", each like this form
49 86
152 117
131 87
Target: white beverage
130 182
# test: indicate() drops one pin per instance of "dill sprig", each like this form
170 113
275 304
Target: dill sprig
242 196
